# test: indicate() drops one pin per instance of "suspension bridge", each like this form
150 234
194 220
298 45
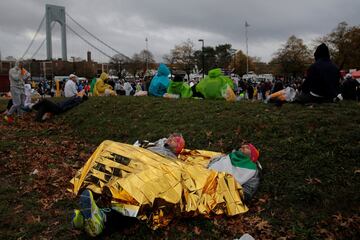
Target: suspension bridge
57 14
50 67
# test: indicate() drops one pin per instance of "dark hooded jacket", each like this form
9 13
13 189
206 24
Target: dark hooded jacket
323 77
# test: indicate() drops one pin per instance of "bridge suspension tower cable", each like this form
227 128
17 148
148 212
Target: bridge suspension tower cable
33 39
98 39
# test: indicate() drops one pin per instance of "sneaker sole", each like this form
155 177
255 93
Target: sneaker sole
85 204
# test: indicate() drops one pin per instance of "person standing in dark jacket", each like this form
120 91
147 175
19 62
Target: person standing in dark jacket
322 83
250 91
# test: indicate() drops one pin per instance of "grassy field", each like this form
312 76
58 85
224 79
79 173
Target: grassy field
310 155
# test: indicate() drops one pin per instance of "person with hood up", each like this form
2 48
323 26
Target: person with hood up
16 77
322 83
178 87
101 88
214 85
160 81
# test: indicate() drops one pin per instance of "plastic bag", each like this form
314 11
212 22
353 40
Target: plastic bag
228 94
141 94
286 95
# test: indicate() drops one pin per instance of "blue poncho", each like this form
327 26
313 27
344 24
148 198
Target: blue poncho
160 82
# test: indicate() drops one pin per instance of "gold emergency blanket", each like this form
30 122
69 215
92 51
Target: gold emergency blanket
154 188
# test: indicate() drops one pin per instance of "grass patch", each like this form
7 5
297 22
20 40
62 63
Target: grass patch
310 157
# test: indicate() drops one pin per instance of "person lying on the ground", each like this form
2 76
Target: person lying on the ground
46 108
155 188
168 147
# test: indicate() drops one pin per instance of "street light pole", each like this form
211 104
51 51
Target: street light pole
203 57
247 50
147 55
234 61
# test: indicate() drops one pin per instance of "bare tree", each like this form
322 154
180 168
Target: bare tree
293 58
182 56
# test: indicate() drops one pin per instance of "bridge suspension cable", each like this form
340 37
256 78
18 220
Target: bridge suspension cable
88 41
96 37
42 43
33 39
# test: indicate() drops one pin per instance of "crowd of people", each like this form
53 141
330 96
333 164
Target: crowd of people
323 83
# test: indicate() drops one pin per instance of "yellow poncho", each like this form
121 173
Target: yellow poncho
101 86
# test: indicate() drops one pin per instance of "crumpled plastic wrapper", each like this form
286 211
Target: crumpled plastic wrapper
156 189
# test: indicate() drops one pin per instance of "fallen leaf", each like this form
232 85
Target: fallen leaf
197 230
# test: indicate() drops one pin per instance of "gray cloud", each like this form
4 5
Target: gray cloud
124 24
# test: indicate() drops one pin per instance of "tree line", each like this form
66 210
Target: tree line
290 60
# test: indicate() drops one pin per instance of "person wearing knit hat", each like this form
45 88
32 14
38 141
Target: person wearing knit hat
176 143
170 147
243 165
251 151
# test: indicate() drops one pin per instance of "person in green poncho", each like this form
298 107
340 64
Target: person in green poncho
178 86
92 85
214 85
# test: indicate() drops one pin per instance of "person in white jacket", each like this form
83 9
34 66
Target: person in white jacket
16 75
70 86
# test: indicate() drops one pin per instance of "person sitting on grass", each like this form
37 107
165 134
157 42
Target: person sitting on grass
242 164
70 88
322 83
46 109
178 87
101 88
160 81
215 85
349 88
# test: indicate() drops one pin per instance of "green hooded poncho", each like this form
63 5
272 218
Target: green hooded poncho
214 84
180 88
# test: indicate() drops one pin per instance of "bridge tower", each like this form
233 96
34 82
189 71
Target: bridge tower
55 13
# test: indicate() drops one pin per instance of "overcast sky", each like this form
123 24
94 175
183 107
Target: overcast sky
124 24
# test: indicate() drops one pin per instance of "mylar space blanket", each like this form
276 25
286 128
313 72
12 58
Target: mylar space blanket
154 188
